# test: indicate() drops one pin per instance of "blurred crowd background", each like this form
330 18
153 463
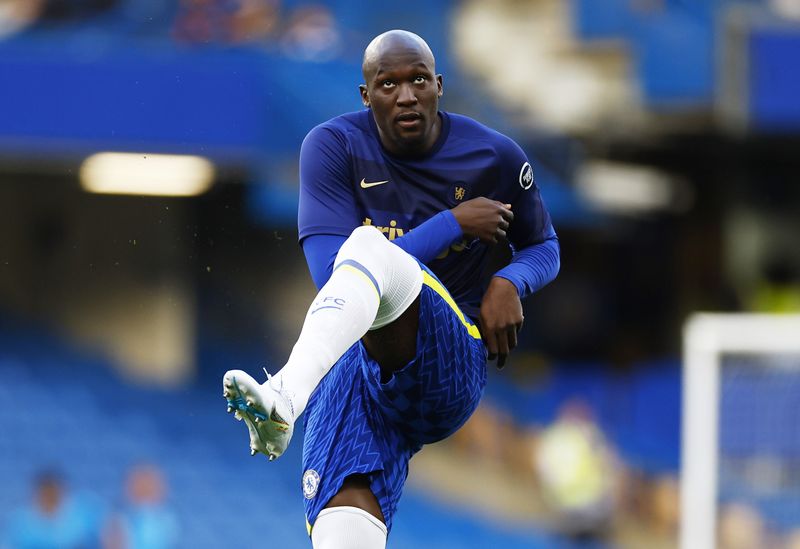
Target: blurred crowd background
664 135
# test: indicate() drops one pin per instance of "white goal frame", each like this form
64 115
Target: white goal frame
706 337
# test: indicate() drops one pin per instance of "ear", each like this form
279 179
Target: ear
364 94
440 90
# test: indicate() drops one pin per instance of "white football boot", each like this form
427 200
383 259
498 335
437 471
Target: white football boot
267 411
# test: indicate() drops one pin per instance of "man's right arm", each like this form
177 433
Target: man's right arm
326 203
326 212
320 251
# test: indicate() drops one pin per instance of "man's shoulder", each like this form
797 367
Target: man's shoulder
351 123
465 127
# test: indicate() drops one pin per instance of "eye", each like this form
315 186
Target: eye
419 79
387 84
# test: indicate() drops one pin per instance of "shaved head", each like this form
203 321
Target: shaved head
391 42
402 90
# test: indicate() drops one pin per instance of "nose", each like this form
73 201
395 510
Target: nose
406 96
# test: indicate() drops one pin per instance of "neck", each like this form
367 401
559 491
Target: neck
415 148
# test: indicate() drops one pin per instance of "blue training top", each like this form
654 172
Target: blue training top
347 179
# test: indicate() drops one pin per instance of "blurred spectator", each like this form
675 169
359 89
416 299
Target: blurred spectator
225 21
55 519
16 15
145 522
254 21
664 506
741 527
201 22
312 35
778 291
577 473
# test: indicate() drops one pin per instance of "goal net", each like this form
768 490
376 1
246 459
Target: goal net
740 460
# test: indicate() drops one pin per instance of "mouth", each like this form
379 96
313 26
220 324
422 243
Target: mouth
408 120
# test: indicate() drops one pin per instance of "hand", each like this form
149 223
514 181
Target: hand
483 218
501 319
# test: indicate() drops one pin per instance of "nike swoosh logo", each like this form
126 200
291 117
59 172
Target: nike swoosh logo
365 185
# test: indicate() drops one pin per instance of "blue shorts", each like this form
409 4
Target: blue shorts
356 424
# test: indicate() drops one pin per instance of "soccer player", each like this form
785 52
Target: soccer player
399 206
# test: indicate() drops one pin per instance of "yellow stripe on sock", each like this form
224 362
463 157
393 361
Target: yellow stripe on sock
362 273
437 287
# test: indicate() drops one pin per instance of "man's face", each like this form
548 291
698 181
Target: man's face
403 93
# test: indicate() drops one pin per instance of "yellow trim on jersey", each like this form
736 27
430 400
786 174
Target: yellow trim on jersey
362 273
437 287
308 528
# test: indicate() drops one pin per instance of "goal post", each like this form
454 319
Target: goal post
707 339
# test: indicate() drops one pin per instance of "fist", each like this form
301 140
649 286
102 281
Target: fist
483 218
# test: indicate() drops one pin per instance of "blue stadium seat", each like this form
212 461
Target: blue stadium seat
609 19
96 426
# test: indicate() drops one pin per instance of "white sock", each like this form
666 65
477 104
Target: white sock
372 284
347 528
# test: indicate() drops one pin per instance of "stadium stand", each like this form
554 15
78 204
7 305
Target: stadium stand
95 426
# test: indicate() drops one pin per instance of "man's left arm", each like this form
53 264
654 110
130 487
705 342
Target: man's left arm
535 263
534 266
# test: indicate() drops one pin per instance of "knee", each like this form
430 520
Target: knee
367 235
364 240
